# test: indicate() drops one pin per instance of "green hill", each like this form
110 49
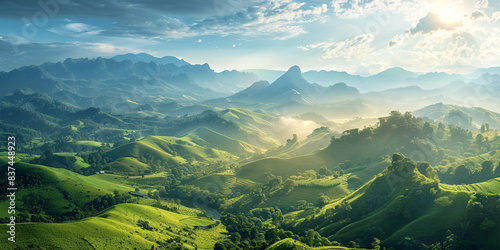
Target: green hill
57 191
120 228
252 127
257 170
209 138
488 187
286 244
169 150
356 150
402 202
468 118
314 142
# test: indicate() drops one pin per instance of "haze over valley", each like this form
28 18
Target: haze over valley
278 124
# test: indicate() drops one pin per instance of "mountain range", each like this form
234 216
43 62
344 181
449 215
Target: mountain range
158 82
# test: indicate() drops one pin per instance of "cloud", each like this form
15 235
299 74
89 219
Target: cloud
433 22
477 15
481 4
35 53
124 9
355 48
76 30
286 126
351 9
277 19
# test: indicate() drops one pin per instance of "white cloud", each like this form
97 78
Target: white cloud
478 15
351 9
76 30
495 16
433 22
14 39
276 19
350 49
481 4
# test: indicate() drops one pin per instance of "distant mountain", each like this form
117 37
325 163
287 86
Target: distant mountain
80 79
394 74
338 92
434 80
326 78
42 113
266 74
467 118
292 87
225 81
38 102
254 89
479 72
390 78
143 57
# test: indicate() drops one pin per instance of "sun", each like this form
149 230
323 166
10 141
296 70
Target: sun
451 13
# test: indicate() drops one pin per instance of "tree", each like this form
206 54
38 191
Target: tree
487 224
225 245
462 173
486 170
312 238
325 171
352 244
376 244
323 200
479 139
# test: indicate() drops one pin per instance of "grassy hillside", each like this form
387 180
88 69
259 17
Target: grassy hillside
456 115
402 202
225 183
294 244
60 189
488 187
117 228
209 138
256 170
169 150
252 127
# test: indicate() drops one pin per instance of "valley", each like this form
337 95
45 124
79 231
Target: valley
140 152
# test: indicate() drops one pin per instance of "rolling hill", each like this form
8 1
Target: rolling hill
402 202
119 228
169 150
468 118
209 138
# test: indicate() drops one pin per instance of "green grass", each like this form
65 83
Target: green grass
320 183
127 164
256 171
54 181
309 194
117 229
79 160
171 150
203 222
225 183
216 140
288 243
488 187
94 144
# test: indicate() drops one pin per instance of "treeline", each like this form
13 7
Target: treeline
35 207
250 232
471 173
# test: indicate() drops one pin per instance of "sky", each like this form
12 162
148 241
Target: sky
357 36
